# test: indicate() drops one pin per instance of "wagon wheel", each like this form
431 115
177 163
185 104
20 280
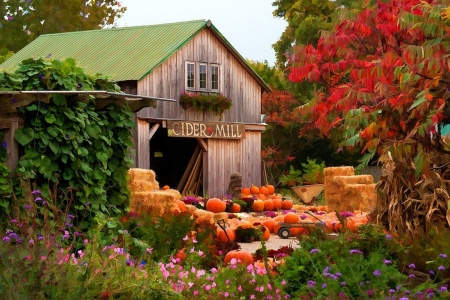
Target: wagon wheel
284 233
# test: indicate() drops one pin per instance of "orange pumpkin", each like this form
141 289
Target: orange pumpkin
245 191
166 187
287 204
279 218
262 197
276 227
291 217
298 231
268 205
180 205
216 205
258 205
270 223
221 236
271 189
180 254
266 234
235 208
254 190
277 203
242 257
264 190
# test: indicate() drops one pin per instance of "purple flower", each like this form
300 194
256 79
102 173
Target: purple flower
5 145
391 291
369 292
44 203
67 136
10 18
387 262
36 192
346 214
314 251
27 206
311 284
377 273
431 272
303 217
324 285
38 199
441 268
40 237
411 276
13 100
6 239
79 85
404 298
412 266
443 288
71 217
13 221
338 274
443 255
388 236
343 283
355 251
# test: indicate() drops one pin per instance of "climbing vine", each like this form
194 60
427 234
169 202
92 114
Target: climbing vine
5 186
70 143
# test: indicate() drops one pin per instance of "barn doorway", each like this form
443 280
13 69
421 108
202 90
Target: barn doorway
172 158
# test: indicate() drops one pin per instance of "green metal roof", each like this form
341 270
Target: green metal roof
126 53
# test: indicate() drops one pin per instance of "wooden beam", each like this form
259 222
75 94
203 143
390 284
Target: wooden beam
143 144
203 144
153 130
255 127
12 148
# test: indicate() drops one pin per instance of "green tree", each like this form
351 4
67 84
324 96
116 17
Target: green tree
22 21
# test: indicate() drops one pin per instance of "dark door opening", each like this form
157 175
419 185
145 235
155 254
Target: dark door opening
170 156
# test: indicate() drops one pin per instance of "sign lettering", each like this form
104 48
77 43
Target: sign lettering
209 130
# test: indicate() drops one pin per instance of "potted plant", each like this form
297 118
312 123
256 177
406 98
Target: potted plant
205 102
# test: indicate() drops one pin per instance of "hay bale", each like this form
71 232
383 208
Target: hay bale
338 171
142 174
220 216
204 216
159 201
142 186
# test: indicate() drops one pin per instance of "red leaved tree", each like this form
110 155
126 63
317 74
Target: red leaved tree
385 76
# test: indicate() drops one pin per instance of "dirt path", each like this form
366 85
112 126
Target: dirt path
275 242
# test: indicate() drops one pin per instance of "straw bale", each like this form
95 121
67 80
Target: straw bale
338 171
204 216
354 179
141 186
142 174
220 216
161 201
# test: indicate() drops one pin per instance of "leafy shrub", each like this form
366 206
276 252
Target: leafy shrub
71 143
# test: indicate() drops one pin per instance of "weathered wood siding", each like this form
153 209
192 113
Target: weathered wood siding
168 81
225 157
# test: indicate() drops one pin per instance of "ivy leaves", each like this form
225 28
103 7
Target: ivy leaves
72 144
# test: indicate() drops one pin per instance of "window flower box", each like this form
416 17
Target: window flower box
205 103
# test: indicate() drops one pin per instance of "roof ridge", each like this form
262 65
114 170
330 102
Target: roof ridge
123 28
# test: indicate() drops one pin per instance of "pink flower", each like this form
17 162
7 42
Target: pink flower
190 284
220 252
269 286
149 250
239 288
185 238
200 252
43 258
226 294
200 273
233 261
213 270
208 287
227 282
252 297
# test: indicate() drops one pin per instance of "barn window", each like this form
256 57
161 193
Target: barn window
203 76
215 77
190 75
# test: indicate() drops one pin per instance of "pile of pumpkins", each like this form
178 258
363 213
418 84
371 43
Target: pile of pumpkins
266 198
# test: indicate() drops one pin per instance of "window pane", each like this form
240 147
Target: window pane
214 77
190 73
202 76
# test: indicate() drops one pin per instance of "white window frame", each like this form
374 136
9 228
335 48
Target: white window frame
218 78
196 73
187 87
207 84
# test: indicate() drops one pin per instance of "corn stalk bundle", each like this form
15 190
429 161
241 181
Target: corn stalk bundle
409 204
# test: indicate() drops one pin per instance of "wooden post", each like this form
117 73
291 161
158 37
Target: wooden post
142 144
11 124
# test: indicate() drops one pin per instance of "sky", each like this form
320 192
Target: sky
248 25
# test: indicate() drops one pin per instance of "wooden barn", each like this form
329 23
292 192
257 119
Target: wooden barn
191 149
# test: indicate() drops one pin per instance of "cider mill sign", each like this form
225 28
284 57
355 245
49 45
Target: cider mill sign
209 130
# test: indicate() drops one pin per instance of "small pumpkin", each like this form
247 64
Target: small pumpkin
235 208
180 254
216 205
221 236
291 217
271 189
254 190
268 205
166 187
270 224
262 197
242 257
264 190
245 191
277 203
287 204
258 205
266 234
180 205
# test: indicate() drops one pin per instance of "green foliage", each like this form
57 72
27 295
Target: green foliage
323 261
5 183
23 21
215 102
311 173
70 143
